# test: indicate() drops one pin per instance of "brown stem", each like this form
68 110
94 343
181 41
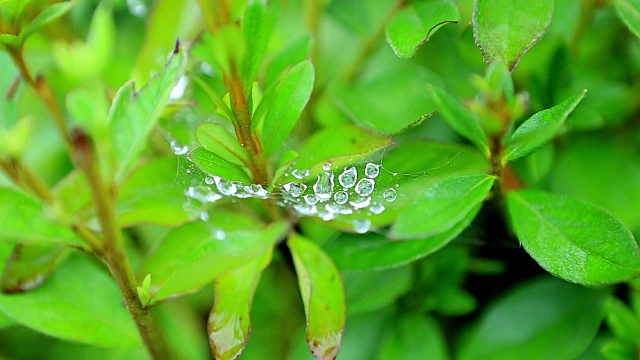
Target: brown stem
114 253
42 88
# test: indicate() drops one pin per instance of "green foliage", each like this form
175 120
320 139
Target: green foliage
285 171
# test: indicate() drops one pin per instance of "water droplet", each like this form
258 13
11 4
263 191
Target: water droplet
137 8
209 180
202 194
257 190
389 195
306 209
294 189
204 216
324 186
300 173
361 226
377 207
395 174
310 199
327 166
338 209
178 148
178 91
372 170
226 187
328 216
188 171
348 177
220 234
341 197
360 202
365 187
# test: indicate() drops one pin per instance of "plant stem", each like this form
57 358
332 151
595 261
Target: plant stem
43 90
114 252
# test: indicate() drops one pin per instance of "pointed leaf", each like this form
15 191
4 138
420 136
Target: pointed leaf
539 129
376 252
217 139
30 265
322 294
48 15
230 321
134 114
442 206
506 29
542 317
629 13
285 106
459 118
23 219
194 255
80 303
214 165
413 25
257 24
573 239
296 51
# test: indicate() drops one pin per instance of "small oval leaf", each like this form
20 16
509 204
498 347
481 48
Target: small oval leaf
442 206
217 139
229 321
507 29
215 165
459 118
322 294
539 128
413 25
573 239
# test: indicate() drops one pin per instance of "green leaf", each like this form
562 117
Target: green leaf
629 13
284 106
80 302
48 15
368 291
134 114
195 254
214 165
414 336
10 40
442 206
30 265
460 119
217 139
322 294
152 196
573 239
538 129
24 220
413 25
353 144
623 322
377 252
506 29
544 316
257 24
230 321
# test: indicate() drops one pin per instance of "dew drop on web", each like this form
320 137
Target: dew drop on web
348 177
390 195
365 187
371 170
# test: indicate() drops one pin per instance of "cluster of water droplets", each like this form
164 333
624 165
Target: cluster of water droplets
334 194
338 193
